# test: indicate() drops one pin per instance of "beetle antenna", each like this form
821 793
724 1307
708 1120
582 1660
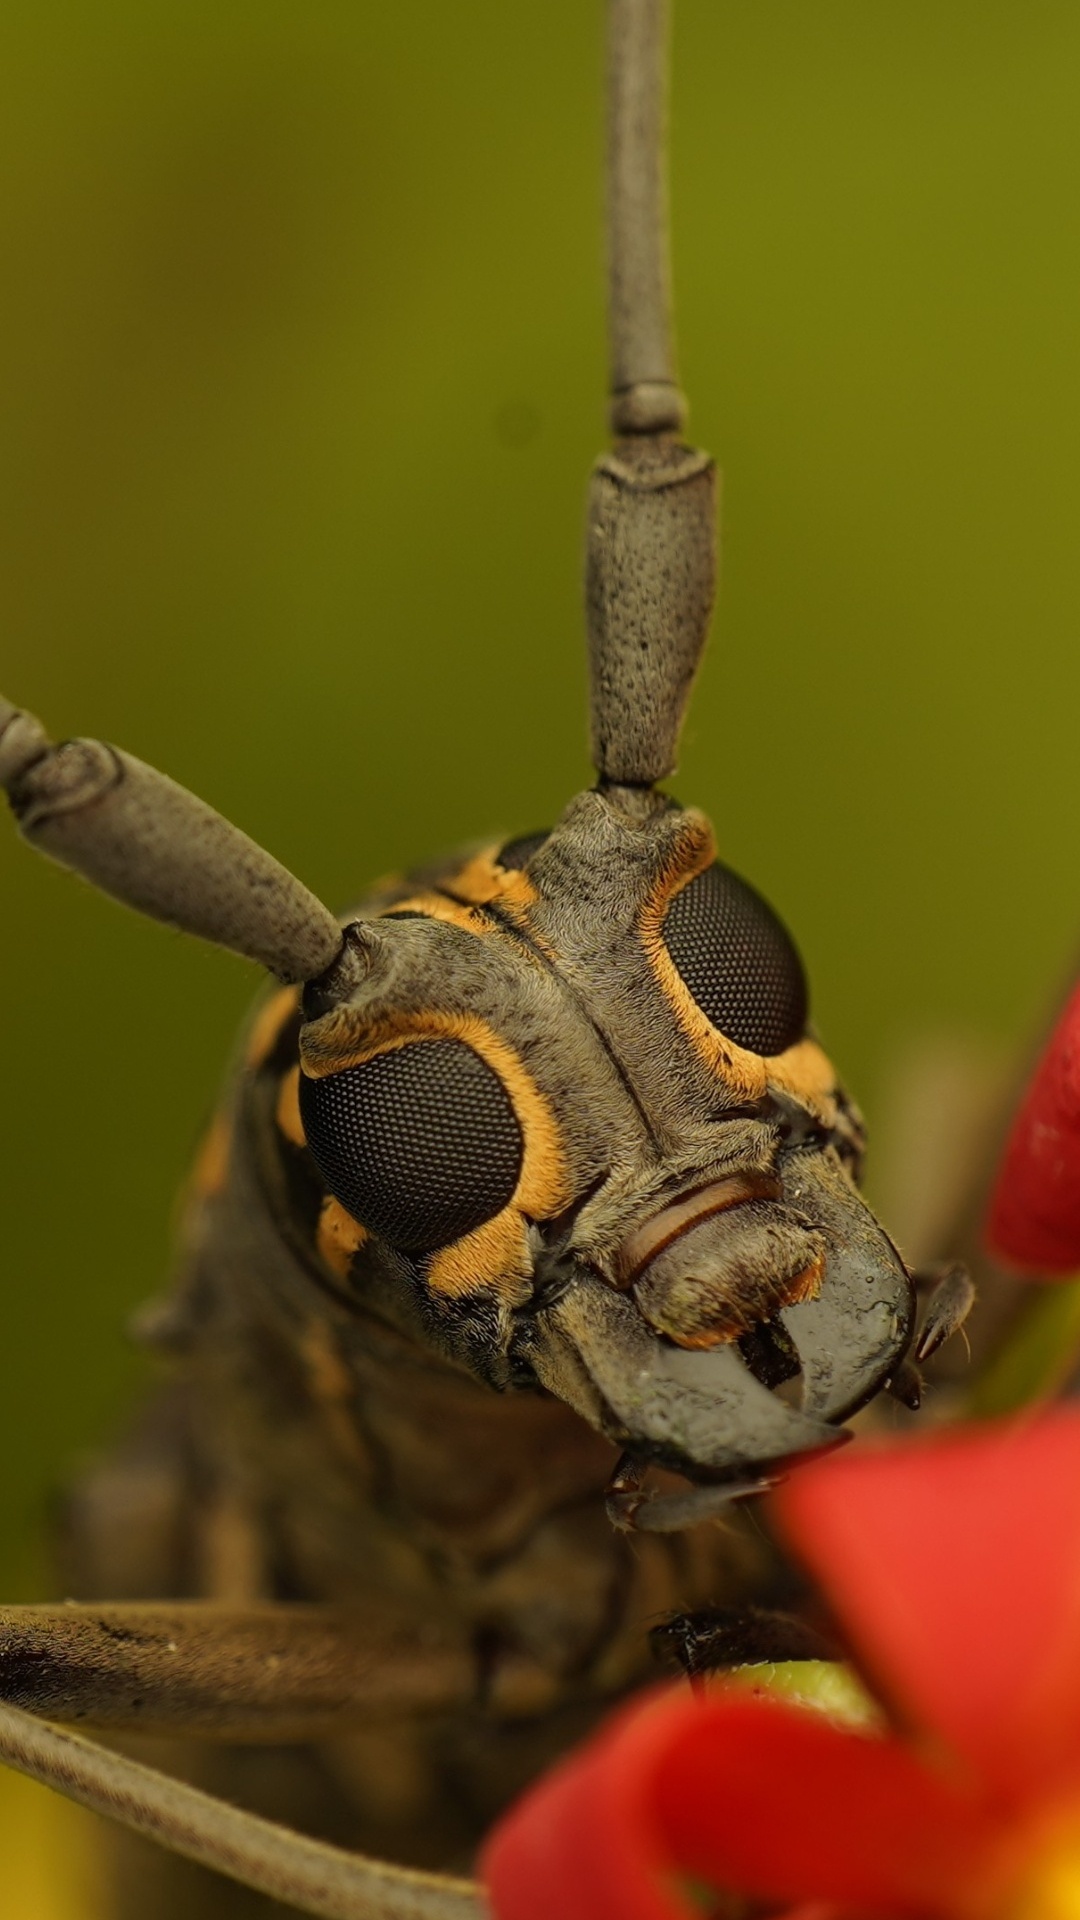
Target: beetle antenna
153 845
644 387
651 537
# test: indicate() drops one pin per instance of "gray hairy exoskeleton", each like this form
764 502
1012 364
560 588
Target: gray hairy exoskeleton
533 1189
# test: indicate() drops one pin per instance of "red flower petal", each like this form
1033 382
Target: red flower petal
1034 1217
584 1843
778 1802
954 1565
747 1795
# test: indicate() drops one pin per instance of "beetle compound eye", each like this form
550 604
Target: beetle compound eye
420 1144
738 961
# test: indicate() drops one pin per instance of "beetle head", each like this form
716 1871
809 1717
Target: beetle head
568 1092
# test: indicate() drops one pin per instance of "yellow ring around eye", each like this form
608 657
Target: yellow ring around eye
344 1038
803 1070
495 1255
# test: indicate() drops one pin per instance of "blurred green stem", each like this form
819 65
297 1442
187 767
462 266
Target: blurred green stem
1037 1355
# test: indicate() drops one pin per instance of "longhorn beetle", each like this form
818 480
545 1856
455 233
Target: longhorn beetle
531 1222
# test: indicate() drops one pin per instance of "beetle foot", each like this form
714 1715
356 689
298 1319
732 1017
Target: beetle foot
634 1507
712 1639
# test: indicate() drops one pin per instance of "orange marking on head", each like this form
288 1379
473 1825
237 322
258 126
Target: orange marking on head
472 917
806 1071
803 1069
345 1038
452 913
338 1237
482 881
287 1110
495 1256
497 1253
271 1017
211 1169
694 851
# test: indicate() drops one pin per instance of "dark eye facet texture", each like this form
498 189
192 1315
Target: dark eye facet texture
420 1144
738 961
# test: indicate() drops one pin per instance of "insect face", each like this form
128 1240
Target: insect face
575 1107
549 1119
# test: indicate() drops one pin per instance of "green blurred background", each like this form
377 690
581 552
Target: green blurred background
302 373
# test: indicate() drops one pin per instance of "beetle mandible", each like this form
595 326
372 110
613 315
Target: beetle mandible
535 1179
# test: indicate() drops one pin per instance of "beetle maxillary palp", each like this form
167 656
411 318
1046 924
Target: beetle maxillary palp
950 1303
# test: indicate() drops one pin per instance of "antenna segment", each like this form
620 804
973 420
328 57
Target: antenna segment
651 537
644 393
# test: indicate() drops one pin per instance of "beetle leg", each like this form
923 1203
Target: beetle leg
950 1303
635 1508
290 1867
278 1673
625 1493
710 1639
